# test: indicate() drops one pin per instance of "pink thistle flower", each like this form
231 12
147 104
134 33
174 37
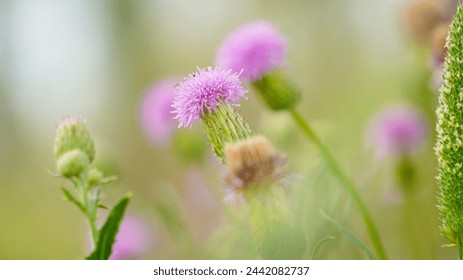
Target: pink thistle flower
133 239
203 91
154 112
254 48
398 130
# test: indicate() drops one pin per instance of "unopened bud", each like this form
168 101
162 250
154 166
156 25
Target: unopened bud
73 134
276 91
94 176
72 163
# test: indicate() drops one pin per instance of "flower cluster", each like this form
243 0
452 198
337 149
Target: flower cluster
74 153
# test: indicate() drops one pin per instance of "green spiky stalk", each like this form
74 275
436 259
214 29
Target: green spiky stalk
449 145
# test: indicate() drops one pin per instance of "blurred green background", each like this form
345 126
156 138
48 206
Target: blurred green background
95 59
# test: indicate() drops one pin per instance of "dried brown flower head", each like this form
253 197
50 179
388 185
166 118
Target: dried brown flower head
252 162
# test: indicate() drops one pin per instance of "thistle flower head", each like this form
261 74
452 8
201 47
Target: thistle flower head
154 113
203 91
72 134
397 131
250 163
254 48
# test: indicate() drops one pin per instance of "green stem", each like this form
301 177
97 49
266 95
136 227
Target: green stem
460 247
344 179
90 206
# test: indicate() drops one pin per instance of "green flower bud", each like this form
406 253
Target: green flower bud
94 176
276 91
73 134
224 125
72 163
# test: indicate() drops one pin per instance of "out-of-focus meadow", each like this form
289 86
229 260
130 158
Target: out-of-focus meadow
96 59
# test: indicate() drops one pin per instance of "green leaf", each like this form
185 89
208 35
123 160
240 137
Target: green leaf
103 181
72 199
349 235
109 231
108 180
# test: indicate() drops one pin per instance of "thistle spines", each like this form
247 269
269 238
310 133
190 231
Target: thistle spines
74 148
225 125
71 134
449 145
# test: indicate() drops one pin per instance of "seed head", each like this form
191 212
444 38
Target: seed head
251 162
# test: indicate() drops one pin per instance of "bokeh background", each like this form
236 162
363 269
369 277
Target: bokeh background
96 59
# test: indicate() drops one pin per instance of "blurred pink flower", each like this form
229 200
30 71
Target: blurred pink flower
202 208
254 48
436 78
155 117
133 239
397 130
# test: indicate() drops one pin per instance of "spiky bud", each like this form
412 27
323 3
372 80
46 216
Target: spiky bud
73 134
72 163
94 176
277 92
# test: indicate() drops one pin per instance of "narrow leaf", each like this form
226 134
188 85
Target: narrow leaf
54 174
319 244
103 206
108 179
104 181
72 199
109 231
349 235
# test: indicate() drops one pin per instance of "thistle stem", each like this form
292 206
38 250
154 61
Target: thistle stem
90 208
460 247
344 179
